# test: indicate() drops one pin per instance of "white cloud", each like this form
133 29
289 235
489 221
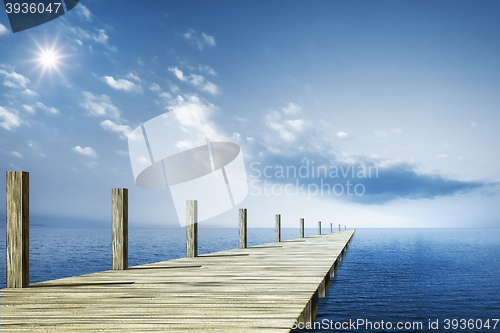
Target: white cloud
99 105
199 40
48 109
155 87
133 76
87 151
3 30
29 109
14 80
122 130
165 95
193 104
341 135
122 84
209 40
29 93
208 70
16 154
178 73
291 109
9 120
296 124
100 36
84 12
288 129
195 80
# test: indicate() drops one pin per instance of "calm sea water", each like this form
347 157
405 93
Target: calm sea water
409 276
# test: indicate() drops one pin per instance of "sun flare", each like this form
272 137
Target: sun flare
49 59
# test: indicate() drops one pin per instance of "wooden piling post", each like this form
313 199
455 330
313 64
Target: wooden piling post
339 227
120 228
243 228
191 228
319 227
331 227
18 219
277 231
301 227
345 227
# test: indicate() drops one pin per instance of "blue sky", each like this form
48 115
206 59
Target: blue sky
410 88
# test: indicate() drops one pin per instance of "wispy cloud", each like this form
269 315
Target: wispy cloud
98 36
133 76
87 151
16 154
122 84
3 30
341 135
84 12
9 120
155 87
287 129
195 80
122 130
99 105
35 146
45 108
205 111
14 80
200 40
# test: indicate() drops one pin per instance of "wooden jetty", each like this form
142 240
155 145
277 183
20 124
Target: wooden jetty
264 288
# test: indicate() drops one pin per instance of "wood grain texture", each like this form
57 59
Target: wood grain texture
243 228
301 227
120 228
191 228
17 229
277 228
263 288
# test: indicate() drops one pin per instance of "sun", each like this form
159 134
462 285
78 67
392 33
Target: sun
49 58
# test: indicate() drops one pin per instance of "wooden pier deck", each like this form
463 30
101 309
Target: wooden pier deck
264 288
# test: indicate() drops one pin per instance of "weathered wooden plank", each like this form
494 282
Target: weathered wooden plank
120 228
277 228
191 228
17 229
243 228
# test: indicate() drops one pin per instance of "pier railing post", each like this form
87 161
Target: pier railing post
18 216
120 228
277 231
331 227
243 228
191 228
301 227
319 227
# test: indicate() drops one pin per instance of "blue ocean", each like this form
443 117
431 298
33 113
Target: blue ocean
404 280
